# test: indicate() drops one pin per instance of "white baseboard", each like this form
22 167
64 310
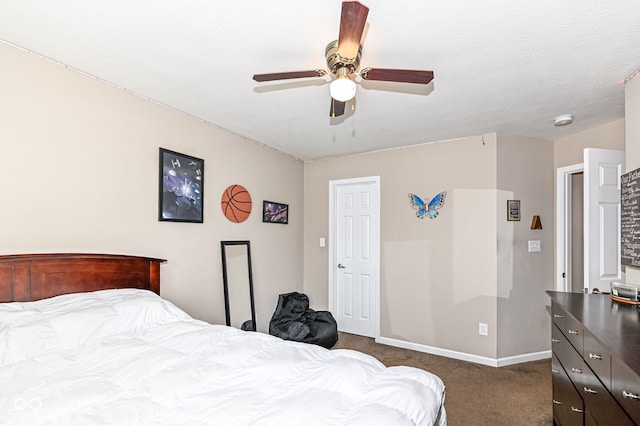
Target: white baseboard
492 362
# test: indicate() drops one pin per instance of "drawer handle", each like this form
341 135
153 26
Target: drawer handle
554 371
576 370
557 402
589 390
594 356
574 332
576 410
555 341
629 395
558 316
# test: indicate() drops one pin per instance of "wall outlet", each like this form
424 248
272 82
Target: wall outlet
483 329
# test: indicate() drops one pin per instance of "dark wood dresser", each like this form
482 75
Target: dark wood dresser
596 360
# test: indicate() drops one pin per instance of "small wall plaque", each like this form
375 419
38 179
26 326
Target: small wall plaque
513 210
536 223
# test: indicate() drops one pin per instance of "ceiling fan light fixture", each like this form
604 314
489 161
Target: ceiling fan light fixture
343 89
343 62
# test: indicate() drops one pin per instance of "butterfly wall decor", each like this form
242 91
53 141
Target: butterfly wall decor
423 209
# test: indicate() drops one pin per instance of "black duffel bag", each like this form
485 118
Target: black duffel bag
293 320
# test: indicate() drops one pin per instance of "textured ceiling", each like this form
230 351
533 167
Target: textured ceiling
499 65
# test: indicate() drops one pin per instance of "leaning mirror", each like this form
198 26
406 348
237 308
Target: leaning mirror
238 284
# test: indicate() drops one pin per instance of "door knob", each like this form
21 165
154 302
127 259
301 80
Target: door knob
341 266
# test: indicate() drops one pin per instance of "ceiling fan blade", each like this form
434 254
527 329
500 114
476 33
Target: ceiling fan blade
397 75
288 75
337 108
352 22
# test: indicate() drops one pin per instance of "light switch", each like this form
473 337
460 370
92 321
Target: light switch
534 246
322 242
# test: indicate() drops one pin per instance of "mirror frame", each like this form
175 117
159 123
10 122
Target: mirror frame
225 279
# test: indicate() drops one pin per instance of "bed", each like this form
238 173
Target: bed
86 339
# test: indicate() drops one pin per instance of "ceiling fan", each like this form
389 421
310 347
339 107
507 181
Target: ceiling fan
343 59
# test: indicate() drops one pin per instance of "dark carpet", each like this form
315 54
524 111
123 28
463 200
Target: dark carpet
516 395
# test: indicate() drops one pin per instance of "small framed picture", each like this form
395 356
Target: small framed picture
181 187
513 210
275 212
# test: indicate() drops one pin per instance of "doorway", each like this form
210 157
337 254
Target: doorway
354 254
589 259
576 232
570 229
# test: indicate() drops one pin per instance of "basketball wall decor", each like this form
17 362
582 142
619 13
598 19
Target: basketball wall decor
236 203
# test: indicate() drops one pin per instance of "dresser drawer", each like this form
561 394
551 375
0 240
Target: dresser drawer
557 315
625 386
598 358
589 420
570 359
568 408
574 332
600 403
560 346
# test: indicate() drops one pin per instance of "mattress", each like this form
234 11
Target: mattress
129 357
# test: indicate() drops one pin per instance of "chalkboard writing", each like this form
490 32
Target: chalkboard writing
630 198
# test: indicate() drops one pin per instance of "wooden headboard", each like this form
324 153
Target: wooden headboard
28 277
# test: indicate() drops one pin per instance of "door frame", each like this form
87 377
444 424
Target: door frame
375 244
563 224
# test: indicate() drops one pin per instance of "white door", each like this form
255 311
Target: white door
354 255
602 171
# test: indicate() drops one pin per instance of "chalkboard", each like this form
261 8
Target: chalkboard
630 198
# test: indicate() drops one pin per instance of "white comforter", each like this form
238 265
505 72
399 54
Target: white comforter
128 357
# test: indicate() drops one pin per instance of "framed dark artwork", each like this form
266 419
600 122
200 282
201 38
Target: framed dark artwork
513 210
275 212
181 188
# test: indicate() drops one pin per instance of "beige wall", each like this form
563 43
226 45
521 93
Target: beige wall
80 174
570 149
438 277
525 173
520 168
632 131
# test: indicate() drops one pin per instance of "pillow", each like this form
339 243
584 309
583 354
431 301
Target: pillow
29 329
142 308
